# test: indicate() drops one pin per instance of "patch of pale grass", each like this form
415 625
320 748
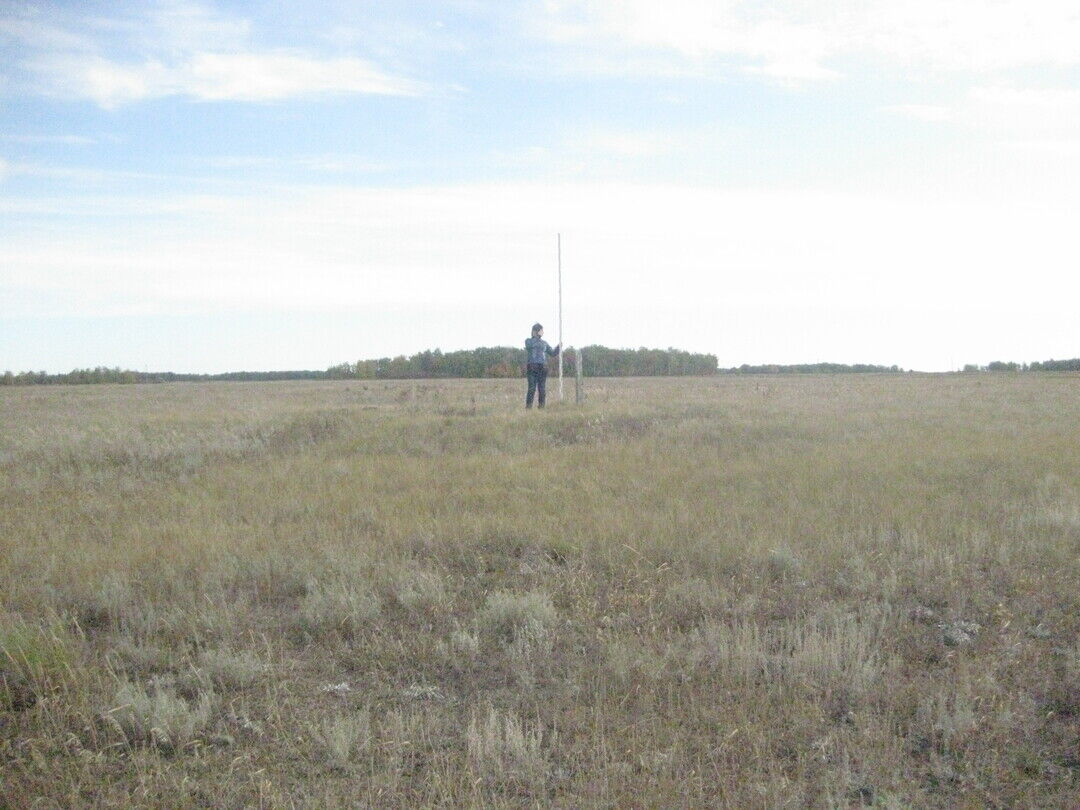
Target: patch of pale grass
693 598
406 737
505 751
418 590
227 670
460 650
947 718
340 607
530 652
781 563
835 657
628 659
344 738
159 718
509 616
140 658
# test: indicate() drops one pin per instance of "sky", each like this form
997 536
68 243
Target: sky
207 187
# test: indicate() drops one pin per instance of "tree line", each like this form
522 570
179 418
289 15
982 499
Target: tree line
815 368
507 361
1045 365
497 361
101 374
500 361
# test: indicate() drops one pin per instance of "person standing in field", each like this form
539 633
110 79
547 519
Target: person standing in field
537 351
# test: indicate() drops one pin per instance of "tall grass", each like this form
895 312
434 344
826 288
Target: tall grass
729 592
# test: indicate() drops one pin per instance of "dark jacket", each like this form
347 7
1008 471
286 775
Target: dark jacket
536 349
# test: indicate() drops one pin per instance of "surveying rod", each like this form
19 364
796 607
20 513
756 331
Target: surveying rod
558 252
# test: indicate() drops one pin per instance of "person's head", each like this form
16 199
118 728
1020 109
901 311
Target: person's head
537 330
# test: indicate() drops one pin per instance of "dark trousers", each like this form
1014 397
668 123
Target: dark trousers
537 374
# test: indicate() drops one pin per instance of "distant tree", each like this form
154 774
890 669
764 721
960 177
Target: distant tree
1057 365
817 368
342 371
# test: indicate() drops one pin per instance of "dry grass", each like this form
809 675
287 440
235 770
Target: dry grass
734 592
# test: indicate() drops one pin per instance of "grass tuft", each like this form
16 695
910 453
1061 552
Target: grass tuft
509 617
342 608
159 718
344 738
506 752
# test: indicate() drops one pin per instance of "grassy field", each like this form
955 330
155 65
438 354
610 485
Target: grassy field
836 591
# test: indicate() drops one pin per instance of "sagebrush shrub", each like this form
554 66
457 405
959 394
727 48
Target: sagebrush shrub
341 607
502 749
509 616
159 718
343 738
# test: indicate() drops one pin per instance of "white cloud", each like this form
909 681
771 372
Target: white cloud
253 76
177 49
799 40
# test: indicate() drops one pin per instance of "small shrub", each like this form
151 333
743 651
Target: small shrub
341 740
161 719
417 590
464 642
226 670
140 659
340 608
505 751
692 599
509 616
460 650
841 658
629 659
947 719
782 564
529 652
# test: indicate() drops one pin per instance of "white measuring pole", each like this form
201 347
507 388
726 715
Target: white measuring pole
558 251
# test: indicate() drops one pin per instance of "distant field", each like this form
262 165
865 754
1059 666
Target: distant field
814 591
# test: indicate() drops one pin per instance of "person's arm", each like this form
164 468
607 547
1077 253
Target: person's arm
550 351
